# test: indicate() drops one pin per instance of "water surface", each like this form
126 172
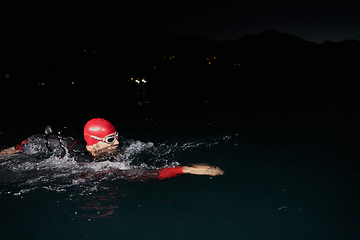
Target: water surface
288 175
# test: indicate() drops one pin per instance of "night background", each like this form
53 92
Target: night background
250 50
266 90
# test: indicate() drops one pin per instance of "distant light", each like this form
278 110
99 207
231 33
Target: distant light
50 74
84 50
7 75
207 59
72 83
93 52
214 57
99 75
209 62
154 66
41 84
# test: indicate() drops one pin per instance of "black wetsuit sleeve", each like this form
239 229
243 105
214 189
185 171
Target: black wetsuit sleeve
56 145
139 174
42 143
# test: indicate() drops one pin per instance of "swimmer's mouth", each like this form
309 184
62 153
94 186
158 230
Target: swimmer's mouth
113 149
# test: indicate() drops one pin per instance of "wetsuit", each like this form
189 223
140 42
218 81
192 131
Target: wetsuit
61 146
55 144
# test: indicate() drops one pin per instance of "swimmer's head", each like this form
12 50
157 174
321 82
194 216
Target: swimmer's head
97 129
100 136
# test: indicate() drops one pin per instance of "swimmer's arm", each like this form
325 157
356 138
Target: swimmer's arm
9 151
196 169
145 174
203 169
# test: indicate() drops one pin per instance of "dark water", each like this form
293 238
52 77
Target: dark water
289 174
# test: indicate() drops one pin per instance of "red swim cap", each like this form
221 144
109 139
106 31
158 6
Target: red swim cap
97 127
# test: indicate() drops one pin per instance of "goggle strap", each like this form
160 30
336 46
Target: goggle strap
97 138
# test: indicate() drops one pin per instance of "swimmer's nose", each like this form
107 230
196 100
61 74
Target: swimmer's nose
116 142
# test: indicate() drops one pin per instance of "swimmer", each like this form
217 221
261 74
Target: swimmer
101 140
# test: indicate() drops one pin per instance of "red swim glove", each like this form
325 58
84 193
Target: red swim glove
170 172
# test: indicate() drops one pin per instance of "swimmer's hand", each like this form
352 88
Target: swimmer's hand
203 169
9 151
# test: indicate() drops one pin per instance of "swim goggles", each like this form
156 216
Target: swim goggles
108 139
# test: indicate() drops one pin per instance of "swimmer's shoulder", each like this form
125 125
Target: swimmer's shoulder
77 150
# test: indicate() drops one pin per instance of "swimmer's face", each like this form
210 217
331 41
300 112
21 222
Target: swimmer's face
103 148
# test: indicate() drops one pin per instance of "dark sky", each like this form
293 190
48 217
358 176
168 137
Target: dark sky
311 20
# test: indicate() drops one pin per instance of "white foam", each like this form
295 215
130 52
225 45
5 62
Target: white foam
107 165
135 148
